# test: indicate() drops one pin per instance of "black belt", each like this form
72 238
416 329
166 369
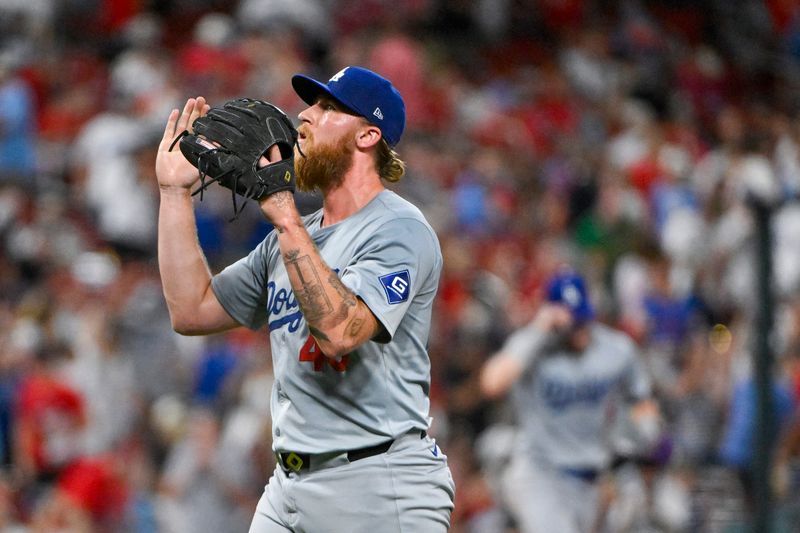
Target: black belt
296 462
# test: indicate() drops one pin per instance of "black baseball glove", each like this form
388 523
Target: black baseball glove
227 143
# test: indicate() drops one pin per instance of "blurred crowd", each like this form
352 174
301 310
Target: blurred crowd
631 139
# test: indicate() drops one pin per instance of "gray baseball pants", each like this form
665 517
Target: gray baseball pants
407 489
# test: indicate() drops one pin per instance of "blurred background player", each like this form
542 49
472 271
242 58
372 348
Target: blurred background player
567 374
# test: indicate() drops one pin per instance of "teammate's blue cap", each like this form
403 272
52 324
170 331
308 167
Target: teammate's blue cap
363 92
569 288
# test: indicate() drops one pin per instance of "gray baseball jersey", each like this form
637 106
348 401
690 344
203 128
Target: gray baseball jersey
389 256
564 401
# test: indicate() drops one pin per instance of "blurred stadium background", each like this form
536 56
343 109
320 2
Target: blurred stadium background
622 137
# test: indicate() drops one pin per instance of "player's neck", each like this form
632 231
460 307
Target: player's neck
356 191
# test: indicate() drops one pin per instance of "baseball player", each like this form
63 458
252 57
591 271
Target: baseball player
347 294
566 373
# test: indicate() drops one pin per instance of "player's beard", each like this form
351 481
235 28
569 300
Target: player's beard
323 166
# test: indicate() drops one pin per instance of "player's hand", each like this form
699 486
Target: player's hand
280 206
553 318
272 155
173 171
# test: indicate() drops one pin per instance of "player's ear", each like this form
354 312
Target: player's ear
368 135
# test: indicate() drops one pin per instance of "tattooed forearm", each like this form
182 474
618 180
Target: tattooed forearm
355 326
346 294
341 314
314 302
348 299
332 311
311 294
319 335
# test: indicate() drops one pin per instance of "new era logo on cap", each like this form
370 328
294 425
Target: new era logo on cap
363 92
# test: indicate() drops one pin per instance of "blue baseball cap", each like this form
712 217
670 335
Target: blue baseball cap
569 289
363 92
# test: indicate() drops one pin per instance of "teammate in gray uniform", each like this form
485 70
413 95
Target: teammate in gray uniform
347 294
567 373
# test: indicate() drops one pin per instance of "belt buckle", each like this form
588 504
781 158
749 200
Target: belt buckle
292 461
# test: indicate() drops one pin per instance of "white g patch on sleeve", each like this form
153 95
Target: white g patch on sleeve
397 286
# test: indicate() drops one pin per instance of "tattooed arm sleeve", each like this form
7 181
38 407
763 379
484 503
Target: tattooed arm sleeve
336 317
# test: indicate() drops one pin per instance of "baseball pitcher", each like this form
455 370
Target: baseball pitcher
345 292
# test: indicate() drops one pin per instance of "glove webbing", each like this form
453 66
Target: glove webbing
206 182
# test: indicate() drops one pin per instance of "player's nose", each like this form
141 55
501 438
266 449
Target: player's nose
305 115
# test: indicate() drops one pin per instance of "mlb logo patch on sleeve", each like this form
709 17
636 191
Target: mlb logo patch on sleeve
397 286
